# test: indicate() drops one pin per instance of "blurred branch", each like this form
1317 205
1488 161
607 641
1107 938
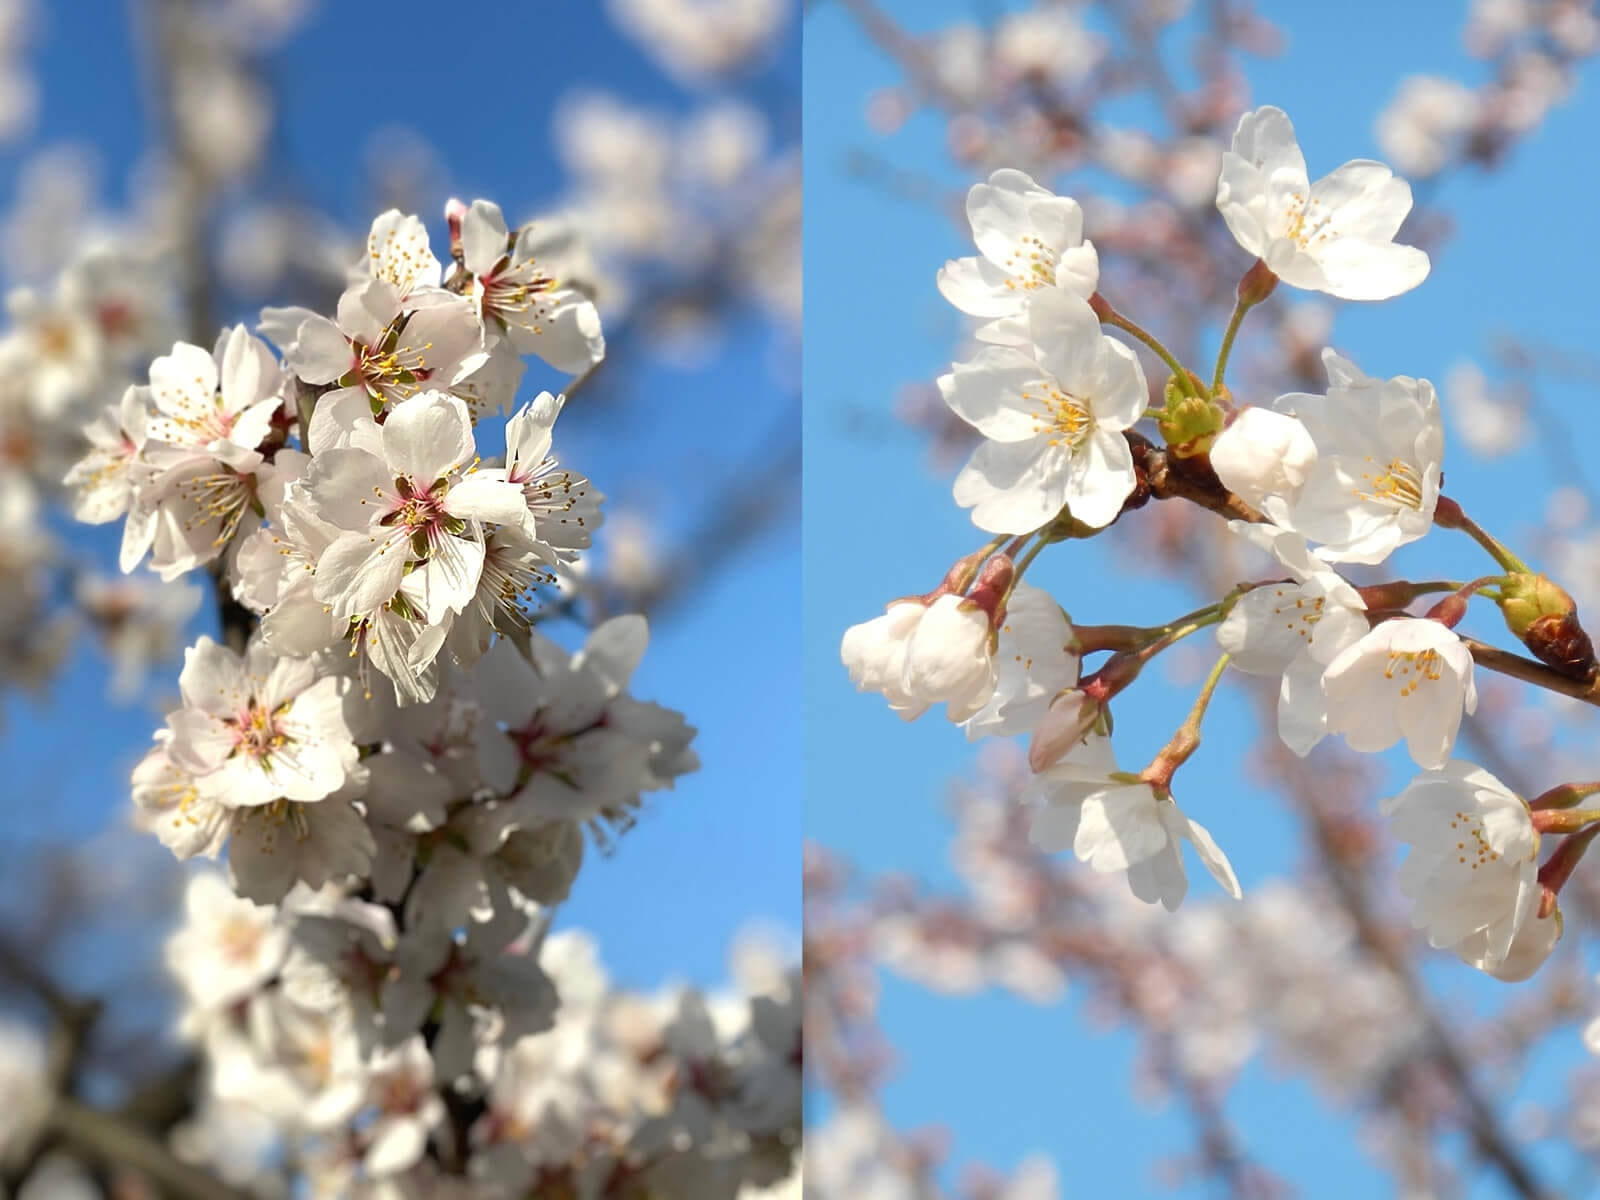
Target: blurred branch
111 1141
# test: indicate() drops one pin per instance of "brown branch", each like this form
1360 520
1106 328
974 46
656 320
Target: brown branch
1166 478
1531 671
108 1139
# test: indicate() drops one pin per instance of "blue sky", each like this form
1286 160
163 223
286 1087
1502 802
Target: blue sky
723 849
1005 1076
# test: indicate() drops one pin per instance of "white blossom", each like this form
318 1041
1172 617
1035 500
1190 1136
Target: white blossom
1119 823
1407 679
1052 417
1030 241
1293 630
1334 236
1472 873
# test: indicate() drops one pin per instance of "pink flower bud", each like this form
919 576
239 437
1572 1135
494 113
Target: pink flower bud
1070 719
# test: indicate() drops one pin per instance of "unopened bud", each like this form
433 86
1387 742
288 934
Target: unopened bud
1190 423
1449 611
994 583
1071 717
1545 618
1257 284
959 577
454 211
1263 453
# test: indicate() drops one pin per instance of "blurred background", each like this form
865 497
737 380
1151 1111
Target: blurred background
984 1022
221 155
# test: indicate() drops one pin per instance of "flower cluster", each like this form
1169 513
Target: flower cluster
401 768
326 1053
1070 437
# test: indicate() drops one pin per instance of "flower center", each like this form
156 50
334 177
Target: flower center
1474 848
238 939
1307 222
1302 614
256 734
1063 417
1398 485
221 496
515 289
1411 667
1031 264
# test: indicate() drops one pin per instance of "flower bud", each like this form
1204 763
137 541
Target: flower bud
1545 618
454 211
992 588
1257 284
1190 424
948 658
1263 453
874 652
1071 717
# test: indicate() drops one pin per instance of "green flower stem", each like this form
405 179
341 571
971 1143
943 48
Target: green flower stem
1450 515
1187 740
1026 560
1228 336
1110 316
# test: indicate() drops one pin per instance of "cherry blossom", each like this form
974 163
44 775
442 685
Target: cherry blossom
1406 679
1473 867
1334 236
1120 823
1052 417
1030 241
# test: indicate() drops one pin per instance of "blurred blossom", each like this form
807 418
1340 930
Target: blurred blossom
1535 84
961 62
19 94
723 142
55 192
263 24
1191 171
697 39
1493 23
632 561
223 116
1426 124
1490 420
656 193
23 1062
405 170
141 623
266 245
1049 43
58 1177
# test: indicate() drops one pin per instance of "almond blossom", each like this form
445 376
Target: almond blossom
260 728
374 353
408 501
563 506
515 292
